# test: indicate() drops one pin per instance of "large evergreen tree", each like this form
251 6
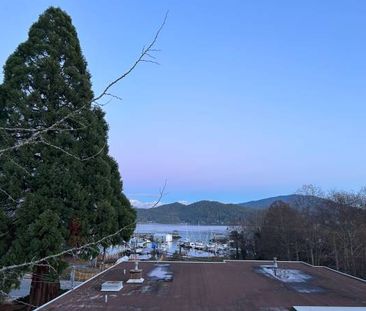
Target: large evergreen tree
61 188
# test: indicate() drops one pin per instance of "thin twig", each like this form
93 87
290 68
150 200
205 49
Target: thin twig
68 251
69 153
77 249
17 299
38 132
161 194
20 166
144 52
7 194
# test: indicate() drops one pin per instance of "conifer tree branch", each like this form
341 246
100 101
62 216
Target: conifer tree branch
44 141
145 53
68 251
27 136
82 247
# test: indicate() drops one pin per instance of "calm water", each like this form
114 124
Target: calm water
192 232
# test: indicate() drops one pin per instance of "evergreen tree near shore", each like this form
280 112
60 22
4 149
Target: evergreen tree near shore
61 189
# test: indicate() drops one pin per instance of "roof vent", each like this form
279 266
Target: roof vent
112 286
275 266
136 275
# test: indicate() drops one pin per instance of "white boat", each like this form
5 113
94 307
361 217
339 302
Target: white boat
139 250
163 247
186 243
198 245
211 247
138 242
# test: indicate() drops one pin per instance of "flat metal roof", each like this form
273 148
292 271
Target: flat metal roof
232 285
302 308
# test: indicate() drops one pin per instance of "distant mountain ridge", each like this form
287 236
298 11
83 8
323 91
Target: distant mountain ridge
291 199
202 212
217 213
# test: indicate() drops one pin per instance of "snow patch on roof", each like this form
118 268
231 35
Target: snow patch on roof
286 275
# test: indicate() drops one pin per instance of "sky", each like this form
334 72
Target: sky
251 98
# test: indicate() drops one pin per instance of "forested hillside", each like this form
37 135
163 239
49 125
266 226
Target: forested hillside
216 213
332 235
202 212
295 200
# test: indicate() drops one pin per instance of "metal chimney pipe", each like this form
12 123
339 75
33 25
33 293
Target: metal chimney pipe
275 266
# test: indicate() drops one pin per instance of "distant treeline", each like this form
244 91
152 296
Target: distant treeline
332 234
216 213
199 213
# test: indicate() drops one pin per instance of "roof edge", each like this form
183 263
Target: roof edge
76 287
199 262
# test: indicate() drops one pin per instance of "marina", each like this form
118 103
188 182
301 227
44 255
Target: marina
153 241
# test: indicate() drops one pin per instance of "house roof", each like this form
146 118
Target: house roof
231 285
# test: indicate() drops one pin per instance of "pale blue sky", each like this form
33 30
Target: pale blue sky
252 98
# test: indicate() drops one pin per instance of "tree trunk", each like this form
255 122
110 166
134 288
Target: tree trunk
345 258
312 256
237 249
103 259
288 251
43 288
297 251
352 260
335 253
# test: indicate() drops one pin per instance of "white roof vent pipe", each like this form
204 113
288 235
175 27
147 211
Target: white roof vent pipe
275 265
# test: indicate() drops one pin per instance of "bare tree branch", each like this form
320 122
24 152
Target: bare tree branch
19 166
144 53
68 251
42 139
85 246
17 300
37 132
7 194
18 129
113 96
161 194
